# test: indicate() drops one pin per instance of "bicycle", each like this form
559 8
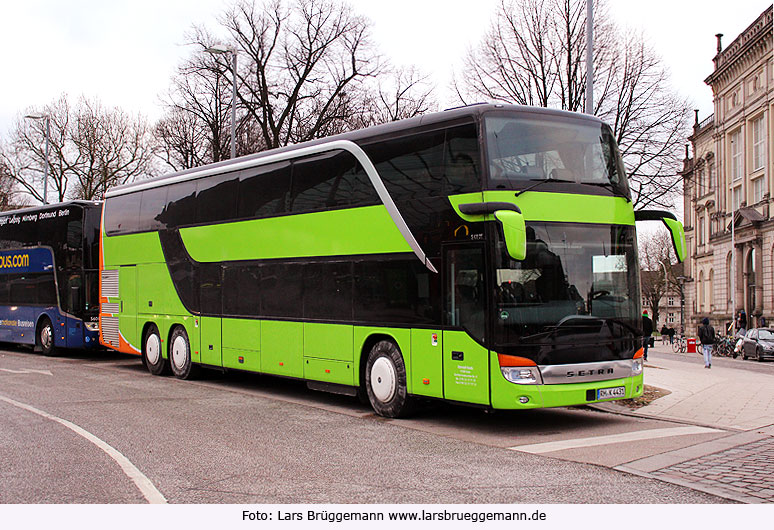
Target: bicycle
679 345
725 347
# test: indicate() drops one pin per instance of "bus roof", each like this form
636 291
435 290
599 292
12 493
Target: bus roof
450 115
45 207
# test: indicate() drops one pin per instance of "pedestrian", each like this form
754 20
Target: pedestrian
707 339
671 332
647 331
741 322
762 322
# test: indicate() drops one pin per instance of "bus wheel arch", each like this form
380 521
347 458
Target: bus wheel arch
44 335
386 380
180 360
152 350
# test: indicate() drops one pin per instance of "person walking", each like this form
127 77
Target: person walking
741 322
707 339
647 331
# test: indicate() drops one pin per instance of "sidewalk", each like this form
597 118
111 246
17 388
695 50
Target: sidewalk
739 466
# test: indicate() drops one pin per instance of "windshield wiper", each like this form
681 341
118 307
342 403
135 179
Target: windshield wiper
541 182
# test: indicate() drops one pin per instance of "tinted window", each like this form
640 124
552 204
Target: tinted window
152 206
328 291
241 290
322 182
462 163
216 198
282 290
395 292
264 190
23 289
181 205
410 166
210 291
122 214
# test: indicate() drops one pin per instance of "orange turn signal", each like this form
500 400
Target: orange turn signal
640 353
512 360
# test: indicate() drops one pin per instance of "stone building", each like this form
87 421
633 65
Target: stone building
729 188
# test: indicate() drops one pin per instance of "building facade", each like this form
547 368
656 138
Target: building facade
728 188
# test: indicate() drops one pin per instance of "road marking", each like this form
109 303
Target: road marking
26 371
146 487
649 434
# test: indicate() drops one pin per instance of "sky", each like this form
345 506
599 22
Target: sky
123 52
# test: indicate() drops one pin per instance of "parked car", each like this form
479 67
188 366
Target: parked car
758 344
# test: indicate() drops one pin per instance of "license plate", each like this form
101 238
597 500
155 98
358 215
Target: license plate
611 393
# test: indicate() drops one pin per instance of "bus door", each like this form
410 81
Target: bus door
465 361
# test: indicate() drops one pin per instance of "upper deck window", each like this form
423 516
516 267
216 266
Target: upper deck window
525 150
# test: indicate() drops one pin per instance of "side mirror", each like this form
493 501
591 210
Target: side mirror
674 226
512 220
515 231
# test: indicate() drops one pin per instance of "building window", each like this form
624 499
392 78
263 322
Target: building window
758 189
700 232
736 155
759 143
644 302
671 318
700 179
671 300
736 200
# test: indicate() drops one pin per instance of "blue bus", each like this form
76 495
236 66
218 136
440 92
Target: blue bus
49 266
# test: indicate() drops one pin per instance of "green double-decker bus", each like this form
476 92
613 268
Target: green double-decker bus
483 255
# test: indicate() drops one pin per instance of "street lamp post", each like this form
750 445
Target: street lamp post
41 116
219 49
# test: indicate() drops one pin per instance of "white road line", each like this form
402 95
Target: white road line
576 443
26 371
146 487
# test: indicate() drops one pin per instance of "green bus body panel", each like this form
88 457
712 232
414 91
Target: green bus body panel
328 341
556 207
367 230
127 318
282 348
156 293
242 344
426 367
132 249
212 348
328 371
466 379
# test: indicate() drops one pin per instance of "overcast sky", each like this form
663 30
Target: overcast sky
124 51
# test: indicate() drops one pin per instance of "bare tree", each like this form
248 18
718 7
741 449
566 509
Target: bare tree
91 149
533 54
659 269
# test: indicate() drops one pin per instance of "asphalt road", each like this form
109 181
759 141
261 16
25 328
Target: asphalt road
239 438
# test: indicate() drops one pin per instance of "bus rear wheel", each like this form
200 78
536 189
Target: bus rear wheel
180 354
45 337
385 381
151 351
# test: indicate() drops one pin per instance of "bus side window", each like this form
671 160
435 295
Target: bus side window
122 214
151 207
180 209
216 198
462 162
263 190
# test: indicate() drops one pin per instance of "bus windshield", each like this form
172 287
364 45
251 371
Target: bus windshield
577 283
524 150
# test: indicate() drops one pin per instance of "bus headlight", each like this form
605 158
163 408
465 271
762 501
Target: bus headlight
522 375
637 366
92 326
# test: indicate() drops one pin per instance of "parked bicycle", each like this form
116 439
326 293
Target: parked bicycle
679 344
725 347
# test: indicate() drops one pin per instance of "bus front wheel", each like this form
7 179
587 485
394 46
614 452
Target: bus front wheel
385 381
45 336
180 354
151 352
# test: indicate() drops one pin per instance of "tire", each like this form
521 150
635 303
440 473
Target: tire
151 352
180 354
44 337
385 381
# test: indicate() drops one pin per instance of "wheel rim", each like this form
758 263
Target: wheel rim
179 352
46 337
384 379
153 348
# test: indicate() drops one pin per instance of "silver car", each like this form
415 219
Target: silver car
758 344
